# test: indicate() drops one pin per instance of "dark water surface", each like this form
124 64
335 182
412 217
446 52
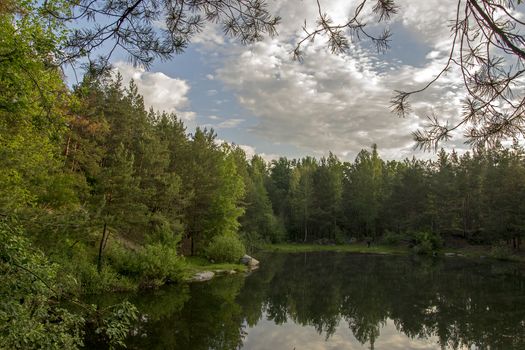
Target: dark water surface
342 301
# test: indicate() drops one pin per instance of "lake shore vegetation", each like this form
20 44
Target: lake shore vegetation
99 194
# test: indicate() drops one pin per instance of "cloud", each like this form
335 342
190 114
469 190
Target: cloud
230 123
250 151
160 91
342 102
210 37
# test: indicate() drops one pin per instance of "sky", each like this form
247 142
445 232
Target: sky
258 97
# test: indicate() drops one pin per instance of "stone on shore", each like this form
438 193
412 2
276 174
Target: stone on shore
250 262
202 276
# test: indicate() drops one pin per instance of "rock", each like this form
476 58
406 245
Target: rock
202 276
450 254
250 262
232 272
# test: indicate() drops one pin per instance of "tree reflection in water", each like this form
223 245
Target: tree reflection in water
352 301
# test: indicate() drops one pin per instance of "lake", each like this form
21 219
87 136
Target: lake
341 301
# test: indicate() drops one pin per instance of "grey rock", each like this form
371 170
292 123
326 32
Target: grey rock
250 262
202 276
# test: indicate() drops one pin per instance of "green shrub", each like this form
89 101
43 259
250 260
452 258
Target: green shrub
500 251
225 248
277 232
339 236
426 242
251 240
393 238
30 317
151 265
87 280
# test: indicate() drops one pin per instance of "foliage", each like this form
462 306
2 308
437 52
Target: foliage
30 316
151 265
115 326
129 25
32 96
393 238
225 248
426 242
33 313
500 251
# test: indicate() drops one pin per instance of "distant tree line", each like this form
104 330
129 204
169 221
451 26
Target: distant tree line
477 196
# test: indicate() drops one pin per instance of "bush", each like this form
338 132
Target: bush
500 251
339 236
87 280
392 238
30 317
251 240
225 248
151 265
426 242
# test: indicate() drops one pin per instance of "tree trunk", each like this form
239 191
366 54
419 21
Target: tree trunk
305 221
305 231
66 153
101 248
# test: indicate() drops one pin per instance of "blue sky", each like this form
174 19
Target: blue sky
258 97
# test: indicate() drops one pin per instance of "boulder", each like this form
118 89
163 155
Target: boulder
202 276
250 262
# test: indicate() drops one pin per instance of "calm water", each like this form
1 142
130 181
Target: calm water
342 301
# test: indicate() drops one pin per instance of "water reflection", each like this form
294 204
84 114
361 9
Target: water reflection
342 301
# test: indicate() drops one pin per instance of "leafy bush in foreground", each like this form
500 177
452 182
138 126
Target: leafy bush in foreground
150 265
30 317
225 248
32 312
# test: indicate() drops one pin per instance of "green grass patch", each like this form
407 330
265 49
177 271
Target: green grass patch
346 248
468 252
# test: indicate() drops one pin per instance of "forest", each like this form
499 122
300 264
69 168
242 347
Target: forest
99 194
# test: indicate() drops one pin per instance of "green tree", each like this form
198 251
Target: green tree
363 188
302 197
216 188
328 191
259 218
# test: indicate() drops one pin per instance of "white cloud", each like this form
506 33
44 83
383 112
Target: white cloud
430 20
210 37
230 123
160 91
249 150
342 102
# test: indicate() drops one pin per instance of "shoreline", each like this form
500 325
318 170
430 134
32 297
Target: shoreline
471 252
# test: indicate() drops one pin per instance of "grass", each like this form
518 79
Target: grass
468 251
347 248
